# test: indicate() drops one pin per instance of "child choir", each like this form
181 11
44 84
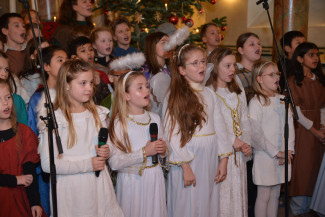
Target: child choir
212 123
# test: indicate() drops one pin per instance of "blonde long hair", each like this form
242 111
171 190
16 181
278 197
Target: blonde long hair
258 70
68 72
120 111
184 106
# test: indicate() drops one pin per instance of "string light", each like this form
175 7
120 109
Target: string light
54 18
166 6
146 30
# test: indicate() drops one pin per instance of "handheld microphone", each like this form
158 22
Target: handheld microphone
153 130
102 139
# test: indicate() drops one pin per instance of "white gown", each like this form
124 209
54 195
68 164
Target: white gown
145 195
202 154
267 124
79 192
233 191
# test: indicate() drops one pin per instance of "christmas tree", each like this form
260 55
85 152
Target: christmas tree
146 15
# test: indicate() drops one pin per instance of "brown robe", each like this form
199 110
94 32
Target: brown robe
310 97
16 61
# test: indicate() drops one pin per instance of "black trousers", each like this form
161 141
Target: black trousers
251 189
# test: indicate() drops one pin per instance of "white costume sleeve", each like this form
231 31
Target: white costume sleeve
322 116
259 141
224 141
305 122
118 159
62 166
245 124
291 140
178 155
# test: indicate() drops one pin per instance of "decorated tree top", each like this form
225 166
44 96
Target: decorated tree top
146 15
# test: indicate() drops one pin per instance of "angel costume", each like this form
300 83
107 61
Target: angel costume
140 186
159 84
233 190
267 124
201 152
79 192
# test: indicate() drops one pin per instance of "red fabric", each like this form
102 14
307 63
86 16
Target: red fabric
49 28
13 200
103 76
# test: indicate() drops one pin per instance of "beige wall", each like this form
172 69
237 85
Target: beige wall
239 21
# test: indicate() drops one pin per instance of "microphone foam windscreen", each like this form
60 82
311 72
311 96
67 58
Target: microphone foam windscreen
153 129
103 135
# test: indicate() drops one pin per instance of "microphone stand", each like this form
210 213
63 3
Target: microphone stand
51 121
287 99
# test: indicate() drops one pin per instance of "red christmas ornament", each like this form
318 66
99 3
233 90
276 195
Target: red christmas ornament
106 12
189 22
201 11
213 2
183 19
223 28
222 37
173 19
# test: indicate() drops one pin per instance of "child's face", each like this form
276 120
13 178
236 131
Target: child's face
4 68
138 95
212 36
310 59
160 51
195 66
113 78
59 57
5 102
226 70
81 88
16 31
30 34
269 79
104 43
252 49
294 43
86 53
83 8
122 34
33 16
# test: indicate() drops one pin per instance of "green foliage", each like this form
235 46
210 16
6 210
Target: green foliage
147 9
221 22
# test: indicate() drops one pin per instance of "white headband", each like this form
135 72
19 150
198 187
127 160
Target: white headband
259 70
180 51
126 77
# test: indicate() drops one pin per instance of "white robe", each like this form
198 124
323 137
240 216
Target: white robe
233 191
202 154
137 195
79 192
267 123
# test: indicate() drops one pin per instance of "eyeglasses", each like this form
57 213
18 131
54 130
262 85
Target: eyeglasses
273 74
196 63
